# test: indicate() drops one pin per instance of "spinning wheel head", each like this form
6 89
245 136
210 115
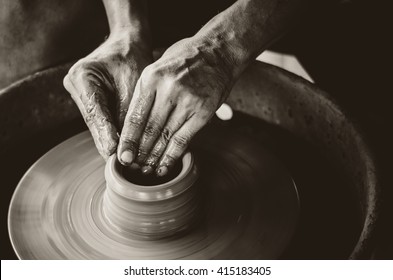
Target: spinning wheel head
238 202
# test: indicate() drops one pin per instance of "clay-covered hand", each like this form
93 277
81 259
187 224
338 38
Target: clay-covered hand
173 99
102 85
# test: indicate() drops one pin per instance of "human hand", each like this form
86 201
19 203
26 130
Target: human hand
173 99
102 85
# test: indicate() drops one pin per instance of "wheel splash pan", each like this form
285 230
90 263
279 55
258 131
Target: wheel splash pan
36 113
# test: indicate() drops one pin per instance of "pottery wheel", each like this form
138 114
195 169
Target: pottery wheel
248 199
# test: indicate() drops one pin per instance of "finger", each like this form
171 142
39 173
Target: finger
154 126
135 122
174 122
125 84
89 96
179 143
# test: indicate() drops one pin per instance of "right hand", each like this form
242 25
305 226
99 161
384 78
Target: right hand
102 85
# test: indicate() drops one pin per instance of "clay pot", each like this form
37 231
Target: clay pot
150 212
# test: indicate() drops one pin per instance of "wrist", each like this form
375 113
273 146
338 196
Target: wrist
220 53
131 35
128 20
225 39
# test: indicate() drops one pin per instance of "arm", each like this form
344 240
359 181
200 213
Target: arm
178 94
247 28
108 75
128 17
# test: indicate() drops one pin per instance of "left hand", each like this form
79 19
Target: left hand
173 99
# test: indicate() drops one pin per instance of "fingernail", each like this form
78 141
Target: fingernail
162 171
147 169
127 157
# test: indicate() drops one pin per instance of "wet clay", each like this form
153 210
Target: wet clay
245 206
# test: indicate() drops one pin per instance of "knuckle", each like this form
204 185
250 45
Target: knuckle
181 141
166 134
79 68
149 72
152 129
79 72
174 85
152 73
201 116
189 108
135 120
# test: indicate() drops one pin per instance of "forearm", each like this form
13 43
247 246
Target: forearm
128 17
244 30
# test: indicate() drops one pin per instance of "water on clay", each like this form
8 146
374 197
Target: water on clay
328 226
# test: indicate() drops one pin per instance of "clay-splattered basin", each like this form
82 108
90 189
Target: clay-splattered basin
321 147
